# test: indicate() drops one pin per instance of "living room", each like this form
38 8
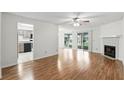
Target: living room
66 41
65 46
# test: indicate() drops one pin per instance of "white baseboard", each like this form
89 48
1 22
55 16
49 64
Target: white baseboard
8 65
45 56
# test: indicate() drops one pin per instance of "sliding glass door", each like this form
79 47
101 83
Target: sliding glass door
82 40
85 41
68 40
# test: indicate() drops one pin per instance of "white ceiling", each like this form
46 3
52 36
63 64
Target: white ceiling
61 18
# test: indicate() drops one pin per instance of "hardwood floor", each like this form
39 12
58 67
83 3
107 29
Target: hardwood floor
68 65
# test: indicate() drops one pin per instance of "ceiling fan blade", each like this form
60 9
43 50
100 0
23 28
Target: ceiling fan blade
84 22
87 21
66 22
90 17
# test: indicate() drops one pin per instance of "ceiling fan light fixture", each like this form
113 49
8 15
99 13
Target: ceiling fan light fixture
76 24
76 19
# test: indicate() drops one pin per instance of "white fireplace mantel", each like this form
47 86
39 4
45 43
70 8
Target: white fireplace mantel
112 40
112 36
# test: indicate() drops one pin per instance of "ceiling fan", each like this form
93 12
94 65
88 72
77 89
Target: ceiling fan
80 18
77 21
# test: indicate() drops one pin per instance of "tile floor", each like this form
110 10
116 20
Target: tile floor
25 57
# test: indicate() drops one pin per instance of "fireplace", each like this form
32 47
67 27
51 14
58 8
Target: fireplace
110 51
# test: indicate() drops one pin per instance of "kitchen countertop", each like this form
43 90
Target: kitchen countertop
25 42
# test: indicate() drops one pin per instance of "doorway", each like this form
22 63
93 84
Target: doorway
25 42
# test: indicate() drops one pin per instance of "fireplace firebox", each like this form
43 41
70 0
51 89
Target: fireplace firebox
110 51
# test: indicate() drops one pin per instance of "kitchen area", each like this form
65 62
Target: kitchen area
25 42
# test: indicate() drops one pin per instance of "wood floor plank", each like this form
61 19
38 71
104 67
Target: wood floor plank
69 64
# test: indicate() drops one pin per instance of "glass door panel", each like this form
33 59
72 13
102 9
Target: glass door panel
82 40
68 40
85 41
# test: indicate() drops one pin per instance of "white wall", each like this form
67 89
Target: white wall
94 37
114 28
110 29
0 45
122 43
45 38
96 40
